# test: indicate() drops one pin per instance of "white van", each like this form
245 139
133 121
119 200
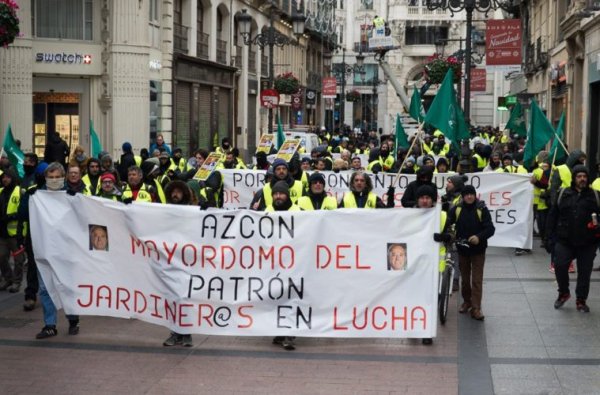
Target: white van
307 140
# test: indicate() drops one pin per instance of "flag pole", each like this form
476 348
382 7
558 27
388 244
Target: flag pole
562 144
417 136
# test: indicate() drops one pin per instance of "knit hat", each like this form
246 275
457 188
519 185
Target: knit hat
126 147
458 182
442 160
108 176
281 187
426 190
468 190
279 162
580 169
316 176
164 154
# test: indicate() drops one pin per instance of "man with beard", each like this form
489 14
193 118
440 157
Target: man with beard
30 163
136 189
424 177
92 178
473 224
281 201
573 230
361 194
178 192
263 197
317 198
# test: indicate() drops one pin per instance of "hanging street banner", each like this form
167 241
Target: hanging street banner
241 273
329 88
503 39
478 80
508 196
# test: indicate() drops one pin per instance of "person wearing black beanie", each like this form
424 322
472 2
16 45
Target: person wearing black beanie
473 224
317 198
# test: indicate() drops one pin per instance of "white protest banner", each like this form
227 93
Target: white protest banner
334 274
508 196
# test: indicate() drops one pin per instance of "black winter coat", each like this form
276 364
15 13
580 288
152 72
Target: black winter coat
468 224
569 218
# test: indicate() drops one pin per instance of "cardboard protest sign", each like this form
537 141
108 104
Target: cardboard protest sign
288 149
208 166
265 144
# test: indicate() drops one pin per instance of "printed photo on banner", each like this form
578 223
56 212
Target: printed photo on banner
396 253
288 149
207 167
265 144
98 237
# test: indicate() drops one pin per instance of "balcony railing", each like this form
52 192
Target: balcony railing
252 61
361 47
422 11
180 38
221 51
202 45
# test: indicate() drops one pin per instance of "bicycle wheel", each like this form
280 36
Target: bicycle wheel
444 296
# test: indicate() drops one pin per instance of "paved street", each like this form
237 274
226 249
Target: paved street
524 346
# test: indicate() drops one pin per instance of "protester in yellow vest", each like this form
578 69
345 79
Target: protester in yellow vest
426 198
136 189
317 198
263 198
540 179
10 196
561 175
361 193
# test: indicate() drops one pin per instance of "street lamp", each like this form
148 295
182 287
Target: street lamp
342 73
270 38
461 56
511 6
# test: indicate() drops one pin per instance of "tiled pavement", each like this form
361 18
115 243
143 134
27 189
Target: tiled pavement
524 346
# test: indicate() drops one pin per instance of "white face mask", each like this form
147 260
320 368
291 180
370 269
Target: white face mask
55 184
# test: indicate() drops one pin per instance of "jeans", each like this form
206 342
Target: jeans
563 255
48 306
471 270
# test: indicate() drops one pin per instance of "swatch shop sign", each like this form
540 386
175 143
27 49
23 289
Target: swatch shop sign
63 58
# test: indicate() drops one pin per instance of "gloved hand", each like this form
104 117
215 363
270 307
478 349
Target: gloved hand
71 192
442 237
127 200
391 193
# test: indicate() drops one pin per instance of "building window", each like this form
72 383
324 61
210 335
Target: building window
154 11
425 35
63 19
367 4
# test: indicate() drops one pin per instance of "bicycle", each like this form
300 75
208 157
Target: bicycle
445 280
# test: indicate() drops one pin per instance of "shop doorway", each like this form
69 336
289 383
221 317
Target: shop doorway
55 112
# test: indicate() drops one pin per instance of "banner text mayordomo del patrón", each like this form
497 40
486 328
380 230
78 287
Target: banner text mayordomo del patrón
342 273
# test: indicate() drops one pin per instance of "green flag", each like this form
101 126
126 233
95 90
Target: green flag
416 110
401 140
539 134
14 153
280 135
516 122
96 146
557 147
445 113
